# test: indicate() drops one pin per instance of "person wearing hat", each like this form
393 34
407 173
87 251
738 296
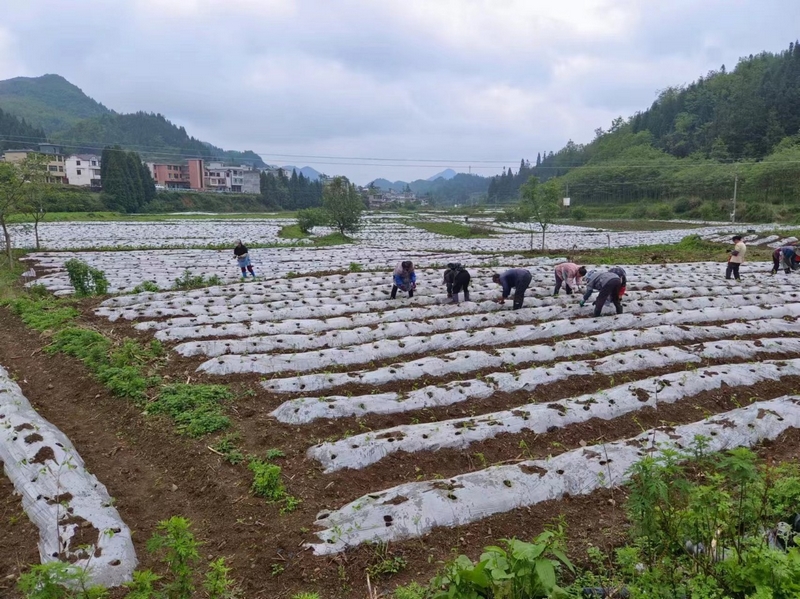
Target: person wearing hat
404 279
242 256
517 278
736 258
457 279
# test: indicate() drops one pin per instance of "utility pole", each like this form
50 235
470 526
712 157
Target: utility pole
735 188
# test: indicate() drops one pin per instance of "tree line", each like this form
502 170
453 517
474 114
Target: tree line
127 182
690 147
16 133
295 192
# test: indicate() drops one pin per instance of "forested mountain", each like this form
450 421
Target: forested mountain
16 133
81 124
152 135
690 146
456 190
49 102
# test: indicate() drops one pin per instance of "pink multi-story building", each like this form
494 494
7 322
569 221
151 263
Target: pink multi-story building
171 176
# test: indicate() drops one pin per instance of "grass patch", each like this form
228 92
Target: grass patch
188 281
292 232
196 409
689 249
332 239
228 447
632 225
63 217
454 229
43 314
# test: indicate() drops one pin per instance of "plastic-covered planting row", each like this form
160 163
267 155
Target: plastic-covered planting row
74 514
659 311
279 322
307 409
542 270
338 332
669 327
125 270
414 509
362 450
60 236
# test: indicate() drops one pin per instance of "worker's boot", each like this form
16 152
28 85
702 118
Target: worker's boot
517 305
393 295
466 295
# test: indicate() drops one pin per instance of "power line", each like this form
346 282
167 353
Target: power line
381 161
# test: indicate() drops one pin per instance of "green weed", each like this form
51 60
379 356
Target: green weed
229 449
267 482
196 409
46 314
85 279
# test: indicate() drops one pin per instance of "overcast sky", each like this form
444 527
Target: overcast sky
423 84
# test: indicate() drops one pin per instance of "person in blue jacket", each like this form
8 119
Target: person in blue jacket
405 279
608 285
517 278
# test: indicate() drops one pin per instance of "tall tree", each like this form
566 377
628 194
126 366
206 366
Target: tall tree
343 205
11 197
33 171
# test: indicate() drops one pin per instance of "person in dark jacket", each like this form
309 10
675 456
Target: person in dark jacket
785 258
608 285
517 278
623 276
404 278
243 258
457 279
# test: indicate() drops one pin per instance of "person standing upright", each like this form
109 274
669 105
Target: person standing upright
517 278
736 258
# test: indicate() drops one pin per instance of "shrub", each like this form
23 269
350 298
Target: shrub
145 286
85 279
267 481
578 214
180 551
51 581
759 212
311 217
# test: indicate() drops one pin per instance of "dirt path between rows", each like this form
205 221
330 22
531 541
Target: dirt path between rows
154 474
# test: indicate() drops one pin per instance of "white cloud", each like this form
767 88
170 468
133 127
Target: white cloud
471 80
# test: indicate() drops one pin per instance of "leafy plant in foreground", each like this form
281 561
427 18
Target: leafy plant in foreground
56 580
180 552
267 481
518 570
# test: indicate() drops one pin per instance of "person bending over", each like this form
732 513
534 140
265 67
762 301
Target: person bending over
404 278
243 258
457 279
567 273
608 285
785 258
518 279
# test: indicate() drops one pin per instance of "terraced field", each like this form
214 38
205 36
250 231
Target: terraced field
335 347
410 421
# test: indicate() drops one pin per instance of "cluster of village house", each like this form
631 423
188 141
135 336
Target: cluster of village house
83 170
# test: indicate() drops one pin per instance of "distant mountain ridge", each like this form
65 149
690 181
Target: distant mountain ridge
49 102
307 171
81 124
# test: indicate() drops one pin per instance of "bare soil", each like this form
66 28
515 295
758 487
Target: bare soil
154 474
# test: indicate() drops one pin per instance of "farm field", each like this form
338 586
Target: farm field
420 426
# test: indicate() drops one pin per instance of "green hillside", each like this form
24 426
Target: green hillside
16 133
683 155
49 102
152 135
70 117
